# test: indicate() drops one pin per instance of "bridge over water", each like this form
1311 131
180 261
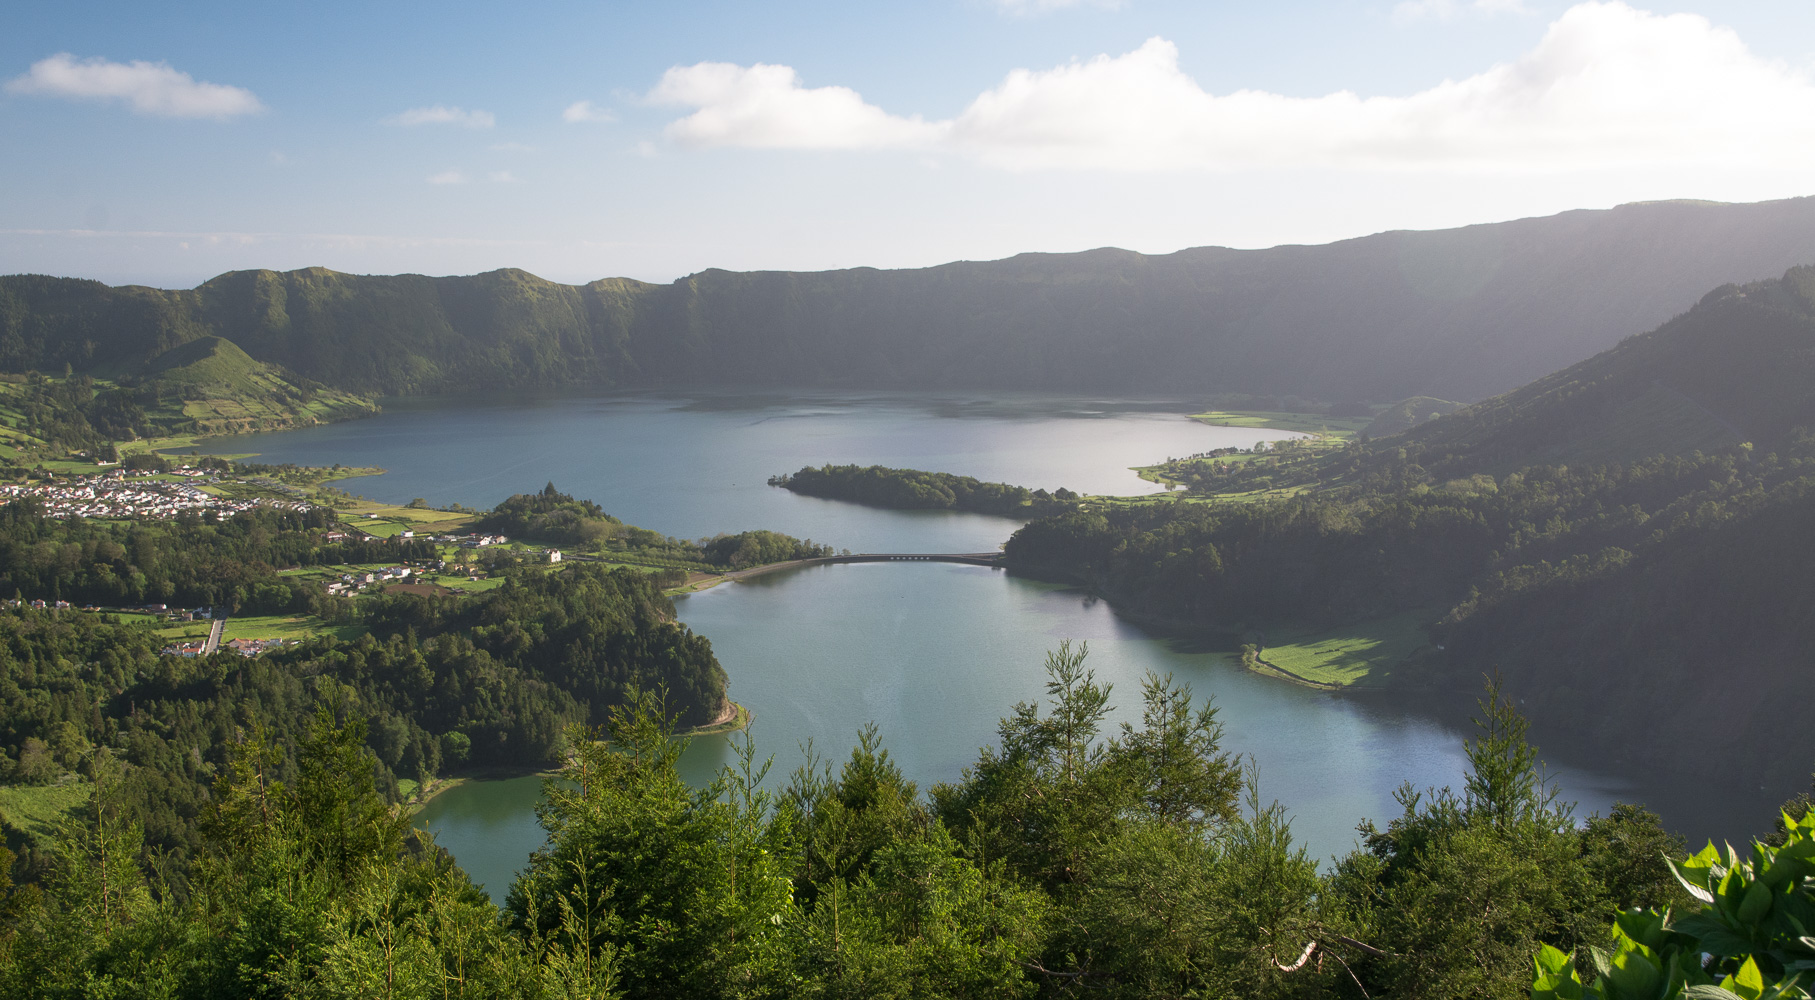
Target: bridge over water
993 559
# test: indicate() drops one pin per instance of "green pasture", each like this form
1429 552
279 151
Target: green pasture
1322 425
461 583
285 627
180 631
1364 652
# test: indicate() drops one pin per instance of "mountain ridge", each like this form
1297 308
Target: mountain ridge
1456 314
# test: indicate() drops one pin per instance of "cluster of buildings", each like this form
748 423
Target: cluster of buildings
124 494
354 582
42 605
244 647
253 647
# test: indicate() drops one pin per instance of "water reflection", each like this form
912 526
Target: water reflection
936 654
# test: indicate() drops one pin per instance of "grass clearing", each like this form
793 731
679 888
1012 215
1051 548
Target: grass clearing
383 520
1364 652
186 631
463 584
1319 424
285 627
164 445
41 811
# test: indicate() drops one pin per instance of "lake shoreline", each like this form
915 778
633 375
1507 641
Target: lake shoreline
736 718
417 802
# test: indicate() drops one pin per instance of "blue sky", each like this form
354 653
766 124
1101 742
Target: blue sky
167 143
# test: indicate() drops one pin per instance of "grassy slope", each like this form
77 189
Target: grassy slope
1327 434
1362 652
41 811
1409 413
1316 424
223 390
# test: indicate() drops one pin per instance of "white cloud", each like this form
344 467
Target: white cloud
1607 87
447 177
586 111
441 114
503 177
151 88
766 107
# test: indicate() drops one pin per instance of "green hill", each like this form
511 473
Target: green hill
1455 314
1409 413
210 386
211 362
1627 542
1738 367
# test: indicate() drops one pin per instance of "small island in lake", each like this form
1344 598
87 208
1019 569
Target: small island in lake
912 489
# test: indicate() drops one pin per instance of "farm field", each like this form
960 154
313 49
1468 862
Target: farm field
285 627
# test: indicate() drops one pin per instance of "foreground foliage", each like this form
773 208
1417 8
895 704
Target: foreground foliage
1748 939
1069 860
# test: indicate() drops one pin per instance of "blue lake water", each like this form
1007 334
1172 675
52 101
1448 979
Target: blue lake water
935 654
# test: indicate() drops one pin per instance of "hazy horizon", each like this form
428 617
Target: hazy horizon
574 141
171 284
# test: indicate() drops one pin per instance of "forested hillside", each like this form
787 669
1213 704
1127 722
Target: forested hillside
1455 314
1615 566
444 683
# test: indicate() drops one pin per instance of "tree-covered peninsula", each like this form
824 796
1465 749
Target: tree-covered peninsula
912 489
446 680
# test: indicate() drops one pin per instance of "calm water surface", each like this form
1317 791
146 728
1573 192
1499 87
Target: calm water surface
935 654
699 465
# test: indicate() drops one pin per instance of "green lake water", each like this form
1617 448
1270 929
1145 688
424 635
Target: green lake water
934 653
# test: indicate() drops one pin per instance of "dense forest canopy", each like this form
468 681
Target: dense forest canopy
1456 314
443 682
1642 575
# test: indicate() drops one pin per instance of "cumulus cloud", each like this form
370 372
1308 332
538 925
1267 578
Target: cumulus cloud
441 114
586 111
150 88
447 177
1607 86
766 107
